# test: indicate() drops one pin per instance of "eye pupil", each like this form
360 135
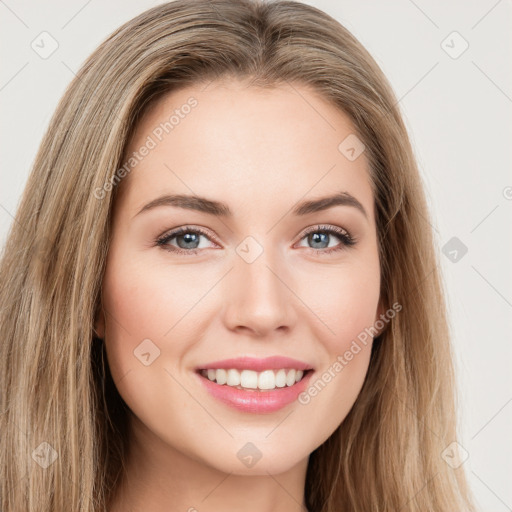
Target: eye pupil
319 238
190 238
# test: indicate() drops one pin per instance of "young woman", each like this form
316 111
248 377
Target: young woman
220 291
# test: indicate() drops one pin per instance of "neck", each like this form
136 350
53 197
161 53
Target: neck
159 478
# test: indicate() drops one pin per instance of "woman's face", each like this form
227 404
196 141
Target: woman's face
256 273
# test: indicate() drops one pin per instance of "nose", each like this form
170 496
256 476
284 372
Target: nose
260 297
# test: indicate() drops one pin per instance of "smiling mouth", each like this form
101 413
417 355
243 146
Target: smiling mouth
252 381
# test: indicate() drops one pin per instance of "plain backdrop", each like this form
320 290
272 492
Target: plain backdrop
449 64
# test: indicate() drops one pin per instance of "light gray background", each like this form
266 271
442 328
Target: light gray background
458 112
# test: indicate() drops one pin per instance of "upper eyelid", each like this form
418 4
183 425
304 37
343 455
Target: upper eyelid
324 227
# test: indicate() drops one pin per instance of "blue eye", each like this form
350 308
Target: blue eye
188 239
319 235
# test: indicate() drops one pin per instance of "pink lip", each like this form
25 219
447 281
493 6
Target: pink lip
255 401
258 365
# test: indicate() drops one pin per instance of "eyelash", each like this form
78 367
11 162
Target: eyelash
347 240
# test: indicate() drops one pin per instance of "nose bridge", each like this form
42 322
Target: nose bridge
259 296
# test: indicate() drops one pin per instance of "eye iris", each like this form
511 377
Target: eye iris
319 238
190 238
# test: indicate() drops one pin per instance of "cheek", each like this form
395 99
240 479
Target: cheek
148 314
145 302
345 301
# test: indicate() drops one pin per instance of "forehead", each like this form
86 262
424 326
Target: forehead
238 143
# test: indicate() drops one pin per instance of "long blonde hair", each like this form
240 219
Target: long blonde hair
59 406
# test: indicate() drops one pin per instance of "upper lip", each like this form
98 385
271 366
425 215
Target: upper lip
258 365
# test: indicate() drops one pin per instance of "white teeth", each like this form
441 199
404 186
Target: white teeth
266 380
290 378
281 379
233 378
221 377
249 379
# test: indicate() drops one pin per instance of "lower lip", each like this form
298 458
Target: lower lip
256 401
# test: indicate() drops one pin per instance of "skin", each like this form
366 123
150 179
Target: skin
260 152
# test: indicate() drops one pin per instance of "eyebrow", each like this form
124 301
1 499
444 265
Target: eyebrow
218 209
